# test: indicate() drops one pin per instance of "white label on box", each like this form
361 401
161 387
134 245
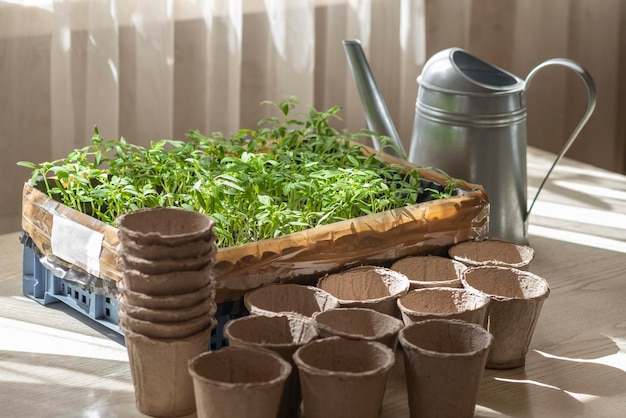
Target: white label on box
76 244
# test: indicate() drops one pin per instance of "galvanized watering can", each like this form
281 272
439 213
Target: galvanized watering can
470 121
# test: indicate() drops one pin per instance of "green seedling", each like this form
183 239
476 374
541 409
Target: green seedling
292 173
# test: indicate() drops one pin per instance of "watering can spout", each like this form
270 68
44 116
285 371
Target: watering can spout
376 113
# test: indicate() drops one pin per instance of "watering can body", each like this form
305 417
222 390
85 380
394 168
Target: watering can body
479 155
470 122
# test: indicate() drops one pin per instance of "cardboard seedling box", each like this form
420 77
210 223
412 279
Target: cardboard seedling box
82 242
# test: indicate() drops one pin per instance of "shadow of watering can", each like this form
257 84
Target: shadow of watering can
470 121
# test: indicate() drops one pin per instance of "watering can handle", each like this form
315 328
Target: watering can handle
591 91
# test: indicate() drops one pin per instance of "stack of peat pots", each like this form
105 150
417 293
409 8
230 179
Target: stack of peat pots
167 303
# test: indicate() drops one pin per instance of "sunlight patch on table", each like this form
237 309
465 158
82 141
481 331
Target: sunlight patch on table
537 169
554 356
580 215
486 412
578 238
598 191
612 360
582 397
32 338
47 375
528 381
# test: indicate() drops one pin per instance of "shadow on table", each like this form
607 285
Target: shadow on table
549 382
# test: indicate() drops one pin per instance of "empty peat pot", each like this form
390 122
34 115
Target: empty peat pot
359 324
492 253
430 271
367 287
283 334
517 297
163 386
445 303
343 378
292 298
238 382
164 226
444 362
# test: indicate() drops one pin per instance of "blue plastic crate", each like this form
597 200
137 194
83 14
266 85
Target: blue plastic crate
43 286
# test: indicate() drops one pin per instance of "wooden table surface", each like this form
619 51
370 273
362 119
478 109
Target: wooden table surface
56 363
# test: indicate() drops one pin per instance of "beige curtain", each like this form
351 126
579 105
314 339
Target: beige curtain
150 69
519 34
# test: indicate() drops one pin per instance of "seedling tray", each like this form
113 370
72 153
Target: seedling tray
84 243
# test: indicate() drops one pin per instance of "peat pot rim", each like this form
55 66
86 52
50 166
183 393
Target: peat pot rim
404 264
463 252
383 350
305 321
486 337
394 325
246 354
165 302
481 297
540 291
387 275
129 225
323 298
165 330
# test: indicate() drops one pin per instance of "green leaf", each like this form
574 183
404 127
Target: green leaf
28 164
265 200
